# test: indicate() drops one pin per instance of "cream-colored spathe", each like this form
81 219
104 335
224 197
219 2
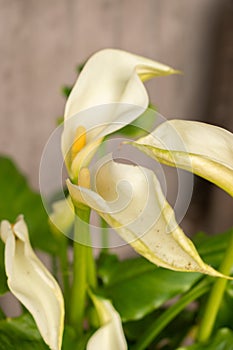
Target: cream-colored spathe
108 95
110 335
32 284
130 199
62 216
201 148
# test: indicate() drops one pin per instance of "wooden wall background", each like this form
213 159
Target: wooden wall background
42 41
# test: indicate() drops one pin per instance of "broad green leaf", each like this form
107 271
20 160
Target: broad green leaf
113 271
130 199
222 340
18 198
104 100
137 287
20 334
172 335
212 247
32 284
204 149
72 342
3 280
105 263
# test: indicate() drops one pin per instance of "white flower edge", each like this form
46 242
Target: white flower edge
201 148
131 201
110 335
108 95
32 284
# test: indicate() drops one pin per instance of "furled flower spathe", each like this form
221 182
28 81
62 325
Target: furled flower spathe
130 200
108 95
204 149
32 284
110 335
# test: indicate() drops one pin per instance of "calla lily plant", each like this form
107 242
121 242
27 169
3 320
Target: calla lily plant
108 95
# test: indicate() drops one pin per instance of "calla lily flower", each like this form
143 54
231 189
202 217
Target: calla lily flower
108 95
204 149
130 199
110 335
32 284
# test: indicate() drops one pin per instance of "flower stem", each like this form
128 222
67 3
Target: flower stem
64 263
216 296
83 269
105 237
161 322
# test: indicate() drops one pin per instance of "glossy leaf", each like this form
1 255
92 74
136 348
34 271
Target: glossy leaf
137 287
212 247
20 333
3 280
203 149
17 197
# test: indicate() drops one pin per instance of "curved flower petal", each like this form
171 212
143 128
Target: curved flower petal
130 199
32 284
108 95
110 335
203 149
62 216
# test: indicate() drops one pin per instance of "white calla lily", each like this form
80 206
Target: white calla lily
32 284
110 335
108 95
201 148
130 200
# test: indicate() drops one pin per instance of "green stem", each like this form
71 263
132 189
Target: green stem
83 269
91 268
216 296
105 237
161 322
64 263
104 225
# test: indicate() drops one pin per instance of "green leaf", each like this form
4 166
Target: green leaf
173 335
106 264
212 248
66 90
20 334
80 67
70 340
222 340
141 126
18 198
137 287
3 279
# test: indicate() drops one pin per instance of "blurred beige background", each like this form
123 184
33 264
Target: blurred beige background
41 43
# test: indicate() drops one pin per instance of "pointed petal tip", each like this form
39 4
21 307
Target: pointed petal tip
32 284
